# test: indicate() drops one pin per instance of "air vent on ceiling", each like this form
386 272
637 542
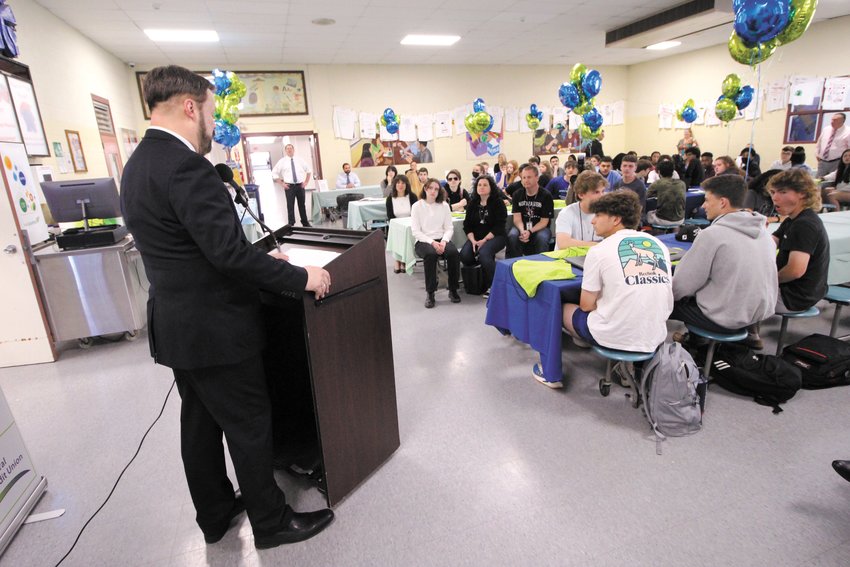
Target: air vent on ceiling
676 22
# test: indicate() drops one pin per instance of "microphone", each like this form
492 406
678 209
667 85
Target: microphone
226 175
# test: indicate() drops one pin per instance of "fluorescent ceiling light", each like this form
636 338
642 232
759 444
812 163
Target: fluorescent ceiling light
186 36
663 45
441 40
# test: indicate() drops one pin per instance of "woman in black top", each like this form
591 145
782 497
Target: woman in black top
758 198
387 182
484 227
399 204
457 196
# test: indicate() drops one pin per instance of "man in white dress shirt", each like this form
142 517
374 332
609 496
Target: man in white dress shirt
834 139
347 179
294 175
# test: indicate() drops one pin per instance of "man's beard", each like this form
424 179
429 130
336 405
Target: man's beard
204 139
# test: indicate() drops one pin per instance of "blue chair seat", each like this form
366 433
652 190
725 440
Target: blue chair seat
828 206
840 296
664 227
622 355
810 312
698 221
713 339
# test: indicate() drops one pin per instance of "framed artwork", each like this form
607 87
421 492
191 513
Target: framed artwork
78 158
9 131
29 117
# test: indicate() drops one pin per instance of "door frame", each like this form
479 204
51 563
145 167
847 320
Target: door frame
317 165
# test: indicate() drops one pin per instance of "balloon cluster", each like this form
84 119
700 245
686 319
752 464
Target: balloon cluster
579 94
389 120
229 90
763 25
533 117
478 121
687 113
734 98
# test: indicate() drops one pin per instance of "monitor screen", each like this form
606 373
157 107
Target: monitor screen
65 199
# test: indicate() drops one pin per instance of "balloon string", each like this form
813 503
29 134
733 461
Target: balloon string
755 117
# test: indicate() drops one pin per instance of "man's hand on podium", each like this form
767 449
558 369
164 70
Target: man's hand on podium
279 255
318 281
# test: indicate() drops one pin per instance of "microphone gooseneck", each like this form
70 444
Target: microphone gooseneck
226 175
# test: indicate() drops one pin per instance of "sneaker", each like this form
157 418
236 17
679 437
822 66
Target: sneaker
681 337
453 296
486 294
537 372
624 372
429 301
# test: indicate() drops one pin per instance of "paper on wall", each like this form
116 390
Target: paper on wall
386 136
407 129
459 114
560 115
368 125
665 115
424 127
545 122
711 118
753 111
777 95
618 113
497 113
607 112
804 90
836 94
511 119
700 108
343 122
443 124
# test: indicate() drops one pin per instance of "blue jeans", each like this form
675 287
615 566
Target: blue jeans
537 244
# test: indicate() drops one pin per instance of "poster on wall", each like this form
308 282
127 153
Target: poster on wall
21 183
405 153
29 117
487 144
9 131
371 152
554 141
130 140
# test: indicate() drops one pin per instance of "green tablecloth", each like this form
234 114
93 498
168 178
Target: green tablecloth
400 240
328 198
365 210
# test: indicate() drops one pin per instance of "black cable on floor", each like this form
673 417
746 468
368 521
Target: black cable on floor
114 486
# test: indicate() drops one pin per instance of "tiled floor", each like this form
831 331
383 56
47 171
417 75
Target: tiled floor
493 469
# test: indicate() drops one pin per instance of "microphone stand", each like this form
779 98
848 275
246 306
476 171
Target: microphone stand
242 199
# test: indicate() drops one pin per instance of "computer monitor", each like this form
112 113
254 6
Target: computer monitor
81 200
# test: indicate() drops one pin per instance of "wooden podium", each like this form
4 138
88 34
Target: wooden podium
330 362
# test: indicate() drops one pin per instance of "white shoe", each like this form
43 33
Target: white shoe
537 372
624 372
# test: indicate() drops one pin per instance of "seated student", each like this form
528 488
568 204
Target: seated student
574 226
545 174
557 170
758 198
506 175
725 165
670 194
606 170
630 180
594 162
798 160
387 182
399 204
784 161
347 179
457 196
533 209
693 168
707 162
432 228
727 280
803 258
484 227
644 168
559 186
837 183
654 176
626 289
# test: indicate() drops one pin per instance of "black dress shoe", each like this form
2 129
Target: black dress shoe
429 301
300 527
842 468
455 298
215 534
306 225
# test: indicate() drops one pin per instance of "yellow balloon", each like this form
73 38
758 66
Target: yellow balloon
750 55
802 12
577 74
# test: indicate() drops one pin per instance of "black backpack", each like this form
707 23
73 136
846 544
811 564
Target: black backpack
823 361
767 379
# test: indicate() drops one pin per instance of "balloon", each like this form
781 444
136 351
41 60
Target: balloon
689 102
585 106
744 98
389 116
392 127
577 74
469 122
232 99
568 94
533 109
384 121
802 12
750 55
679 116
758 21
478 105
237 87
532 120
226 134
482 119
592 83
689 114
489 124
731 85
593 119
587 133
725 109
539 115
221 82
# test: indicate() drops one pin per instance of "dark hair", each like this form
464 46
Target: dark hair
787 148
494 189
629 158
799 181
731 167
366 152
554 157
798 156
842 115
665 168
162 83
643 164
389 169
759 183
618 160
534 159
456 172
588 181
441 193
531 166
655 152
694 151
605 159
422 170
572 157
623 203
732 187
346 163
400 179
842 174
708 155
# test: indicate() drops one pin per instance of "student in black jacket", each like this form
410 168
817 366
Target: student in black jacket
484 226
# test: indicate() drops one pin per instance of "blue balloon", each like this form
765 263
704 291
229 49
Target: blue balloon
689 115
592 83
533 109
490 125
221 81
758 21
389 115
593 119
745 97
539 115
478 105
568 93
392 127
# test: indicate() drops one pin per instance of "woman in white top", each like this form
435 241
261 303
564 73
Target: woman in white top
837 183
574 226
399 204
432 228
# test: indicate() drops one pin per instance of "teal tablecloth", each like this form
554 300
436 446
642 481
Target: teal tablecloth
365 210
400 240
328 198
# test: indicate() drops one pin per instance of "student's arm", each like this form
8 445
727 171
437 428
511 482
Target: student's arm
798 263
541 224
565 240
588 300
518 222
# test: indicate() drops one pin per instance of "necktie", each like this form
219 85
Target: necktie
347 178
828 145
294 175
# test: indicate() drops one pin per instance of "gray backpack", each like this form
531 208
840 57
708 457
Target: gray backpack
673 392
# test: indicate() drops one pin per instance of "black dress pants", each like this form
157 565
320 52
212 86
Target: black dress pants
429 259
233 400
296 192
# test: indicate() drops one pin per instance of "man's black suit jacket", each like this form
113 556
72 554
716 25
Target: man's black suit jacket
204 304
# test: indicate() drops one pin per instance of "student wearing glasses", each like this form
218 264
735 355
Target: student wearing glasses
457 196
484 226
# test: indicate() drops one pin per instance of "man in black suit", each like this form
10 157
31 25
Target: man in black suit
204 311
